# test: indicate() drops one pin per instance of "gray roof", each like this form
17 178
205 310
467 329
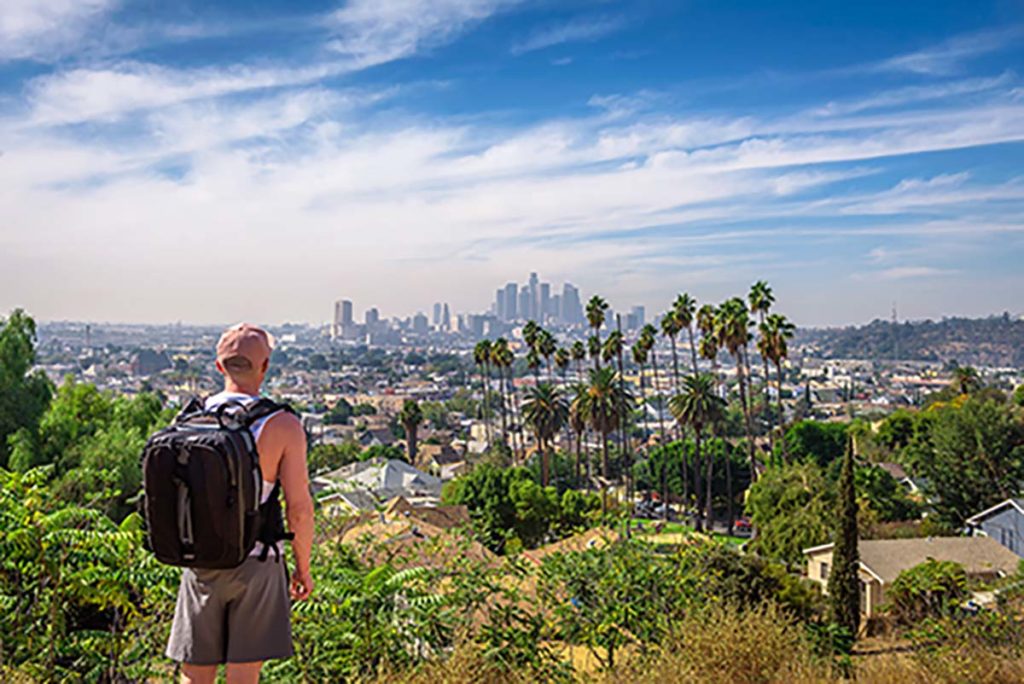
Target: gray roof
1008 503
384 479
887 558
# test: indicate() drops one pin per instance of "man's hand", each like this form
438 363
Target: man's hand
301 585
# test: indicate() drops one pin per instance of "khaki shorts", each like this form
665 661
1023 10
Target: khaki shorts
238 615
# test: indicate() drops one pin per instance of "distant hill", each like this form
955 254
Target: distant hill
993 341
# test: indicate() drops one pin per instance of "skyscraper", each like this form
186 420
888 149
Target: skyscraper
534 305
637 317
524 303
346 313
572 310
436 320
511 301
544 306
499 304
372 317
556 309
446 318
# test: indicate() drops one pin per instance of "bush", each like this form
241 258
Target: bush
929 590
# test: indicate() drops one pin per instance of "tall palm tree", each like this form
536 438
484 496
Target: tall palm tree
733 330
499 350
709 346
530 332
699 407
562 361
482 357
611 347
649 337
410 417
545 411
761 299
533 363
605 401
776 331
671 328
579 353
578 422
596 309
546 347
640 352
965 380
684 309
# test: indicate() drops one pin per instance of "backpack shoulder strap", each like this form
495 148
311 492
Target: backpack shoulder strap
195 406
264 407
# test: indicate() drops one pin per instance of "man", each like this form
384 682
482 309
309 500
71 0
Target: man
241 616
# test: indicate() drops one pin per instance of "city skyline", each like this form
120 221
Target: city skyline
403 154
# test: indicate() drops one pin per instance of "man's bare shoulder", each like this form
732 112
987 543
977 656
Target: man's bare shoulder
285 426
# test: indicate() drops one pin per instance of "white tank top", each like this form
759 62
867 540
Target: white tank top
256 429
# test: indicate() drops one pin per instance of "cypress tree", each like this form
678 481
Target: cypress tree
843 581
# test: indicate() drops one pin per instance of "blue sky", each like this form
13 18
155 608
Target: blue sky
217 161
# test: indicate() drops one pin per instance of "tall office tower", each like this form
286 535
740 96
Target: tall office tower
534 285
372 317
544 307
499 303
572 310
446 318
419 323
511 301
639 315
436 320
346 313
336 323
524 304
556 309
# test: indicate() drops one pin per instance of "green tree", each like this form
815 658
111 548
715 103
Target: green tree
410 417
482 358
606 399
339 414
792 508
596 309
811 440
843 579
773 344
971 456
733 332
932 589
700 408
761 299
897 429
546 412
24 393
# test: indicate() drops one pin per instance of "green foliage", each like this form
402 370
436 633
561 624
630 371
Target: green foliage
23 393
885 496
970 453
844 580
897 429
1018 395
339 414
929 590
324 457
792 508
508 505
811 440
83 600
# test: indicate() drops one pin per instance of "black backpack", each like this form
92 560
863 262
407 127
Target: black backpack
201 484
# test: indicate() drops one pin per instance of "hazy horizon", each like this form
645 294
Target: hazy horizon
210 162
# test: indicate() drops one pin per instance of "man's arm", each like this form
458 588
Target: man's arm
294 477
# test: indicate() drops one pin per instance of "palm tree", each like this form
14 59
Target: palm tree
733 331
545 411
410 417
670 328
965 380
649 336
578 422
640 351
546 347
699 407
562 361
776 331
533 363
596 309
683 310
482 357
761 299
579 353
605 401
612 347
530 332
499 351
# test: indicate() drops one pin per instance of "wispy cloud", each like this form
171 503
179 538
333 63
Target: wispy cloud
47 29
949 57
372 32
904 273
914 94
575 30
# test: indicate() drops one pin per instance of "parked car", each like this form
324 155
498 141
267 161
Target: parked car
743 527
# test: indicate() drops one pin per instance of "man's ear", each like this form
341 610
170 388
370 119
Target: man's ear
266 365
220 367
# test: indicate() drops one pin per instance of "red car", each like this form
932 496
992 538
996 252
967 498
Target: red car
743 525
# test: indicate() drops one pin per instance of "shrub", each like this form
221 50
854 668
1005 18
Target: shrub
931 589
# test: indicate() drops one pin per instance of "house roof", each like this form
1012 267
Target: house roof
1008 503
385 478
887 558
413 543
894 469
595 538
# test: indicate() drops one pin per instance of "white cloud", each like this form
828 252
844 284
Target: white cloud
46 29
913 94
376 31
948 57
575 30
904 273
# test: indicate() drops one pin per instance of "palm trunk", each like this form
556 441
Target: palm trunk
625 445
768 399
543 462
709 514
741 370
579 456
485 374
728 488
782 416
605 471
693 350
696 477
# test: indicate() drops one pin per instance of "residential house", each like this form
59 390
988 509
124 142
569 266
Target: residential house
381 479
1003 522
882 560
